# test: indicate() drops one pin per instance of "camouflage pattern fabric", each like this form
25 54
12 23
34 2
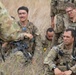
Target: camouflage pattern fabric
61 62
32 29
46 44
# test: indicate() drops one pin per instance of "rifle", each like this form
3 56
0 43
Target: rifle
2 50
74 52
22 46
2 53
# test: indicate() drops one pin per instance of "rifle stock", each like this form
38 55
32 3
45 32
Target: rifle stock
2 53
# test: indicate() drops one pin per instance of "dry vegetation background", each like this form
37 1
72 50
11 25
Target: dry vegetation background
39 11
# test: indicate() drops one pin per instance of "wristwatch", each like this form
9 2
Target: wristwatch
54 68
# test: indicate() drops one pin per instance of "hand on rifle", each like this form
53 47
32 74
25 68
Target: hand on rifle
30 36
58 72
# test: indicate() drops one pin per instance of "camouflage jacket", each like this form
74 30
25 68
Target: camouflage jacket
32 29
34 44
46 44
61 61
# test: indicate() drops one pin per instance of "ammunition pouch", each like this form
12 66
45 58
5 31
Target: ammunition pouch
62 68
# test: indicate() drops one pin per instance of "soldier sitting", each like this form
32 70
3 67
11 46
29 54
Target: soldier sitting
48 39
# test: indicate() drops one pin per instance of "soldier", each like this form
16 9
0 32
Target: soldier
60 58
48 39
63 22
29 28
47 45
34 43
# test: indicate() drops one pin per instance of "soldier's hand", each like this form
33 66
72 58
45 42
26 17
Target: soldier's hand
4 44
58 72
30 36
69 72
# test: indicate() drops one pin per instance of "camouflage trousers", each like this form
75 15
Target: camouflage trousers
47 70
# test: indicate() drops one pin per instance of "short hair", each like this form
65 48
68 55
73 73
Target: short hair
23 8
73 32
72 5
50 30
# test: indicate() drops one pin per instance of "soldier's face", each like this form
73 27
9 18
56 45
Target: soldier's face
69 11
49 35
74 13
67 38
23 15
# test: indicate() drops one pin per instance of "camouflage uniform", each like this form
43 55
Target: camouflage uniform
46 44
62 60
32 29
